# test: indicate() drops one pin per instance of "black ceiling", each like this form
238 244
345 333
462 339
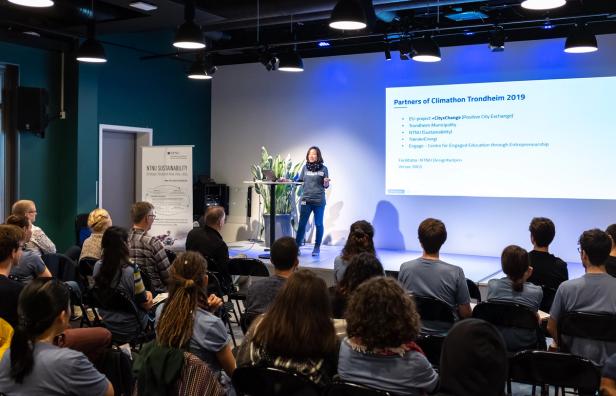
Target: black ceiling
239 31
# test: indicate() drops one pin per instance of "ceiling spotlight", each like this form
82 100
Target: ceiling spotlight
290 62
201 69
348 15
542 4
581 41
405 49
426 50
189 34
91 50
143 6
269 61
387 53
33 3
497 40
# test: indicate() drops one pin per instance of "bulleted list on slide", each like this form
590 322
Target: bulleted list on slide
528 139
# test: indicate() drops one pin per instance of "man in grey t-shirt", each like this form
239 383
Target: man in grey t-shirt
263 290
595 292
428 276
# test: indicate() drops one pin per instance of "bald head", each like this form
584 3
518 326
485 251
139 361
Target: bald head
215 217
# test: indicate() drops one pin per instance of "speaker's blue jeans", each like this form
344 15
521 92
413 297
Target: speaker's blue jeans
304 215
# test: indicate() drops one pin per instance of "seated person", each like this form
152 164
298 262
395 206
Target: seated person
296 332
515 289
115 272
98 221
360 240
595 292
608 379
473 360
428 276
262 291
30 264
39 243
363 266
548 270
610 263
380 352
33 364
147 251
12 239
186 318
208 241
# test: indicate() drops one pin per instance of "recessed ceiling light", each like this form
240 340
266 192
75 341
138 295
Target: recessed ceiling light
543 4
143 6
33 3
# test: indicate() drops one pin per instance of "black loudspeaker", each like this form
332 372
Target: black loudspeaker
32 106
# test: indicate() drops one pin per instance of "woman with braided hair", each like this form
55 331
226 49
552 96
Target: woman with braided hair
34 365
186 320
360 240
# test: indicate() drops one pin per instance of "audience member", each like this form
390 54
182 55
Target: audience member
12 239
382 324
595 292
147 251
208 241
262 291
473 360
359 240
515 289
610 263
30 264
363 266
428 276
98 221
34 364
608 379
116 273
186 320
548 270
296 332
39 242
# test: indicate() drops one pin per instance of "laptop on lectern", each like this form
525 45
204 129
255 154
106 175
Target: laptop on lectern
268 175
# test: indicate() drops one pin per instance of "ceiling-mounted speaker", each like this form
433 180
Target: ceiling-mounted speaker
32 105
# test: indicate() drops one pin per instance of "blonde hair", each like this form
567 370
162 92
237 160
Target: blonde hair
99 220
22 207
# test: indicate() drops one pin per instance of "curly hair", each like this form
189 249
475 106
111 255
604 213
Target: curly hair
359 240
362 267
381 314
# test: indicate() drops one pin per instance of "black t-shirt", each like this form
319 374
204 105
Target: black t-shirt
209 243
9 296
610 266
548 270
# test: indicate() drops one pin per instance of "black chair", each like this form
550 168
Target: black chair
509 315
561 370
246 320
60 266
593 326
473 290
82 231
433 309
548 298
73 253
245 267
215 287
343 388
270 381
432 345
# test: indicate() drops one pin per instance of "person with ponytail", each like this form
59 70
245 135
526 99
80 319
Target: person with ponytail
34 365
316 179
115 272
515 289
186 321
360 240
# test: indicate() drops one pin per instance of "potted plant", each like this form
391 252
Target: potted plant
286 195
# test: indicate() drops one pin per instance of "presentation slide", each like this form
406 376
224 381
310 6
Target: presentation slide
526 139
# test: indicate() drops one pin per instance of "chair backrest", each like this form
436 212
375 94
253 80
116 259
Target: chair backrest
223 281
342 388
431 345
247 267
506 314
595 326
548 298
270 381
60 266
430 308
85 268
6 335
214 285
473 290
82 231
246 320
555 368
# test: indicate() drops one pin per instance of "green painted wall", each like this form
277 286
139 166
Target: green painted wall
60 171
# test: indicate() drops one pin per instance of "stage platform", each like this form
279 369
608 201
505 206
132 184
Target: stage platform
480 269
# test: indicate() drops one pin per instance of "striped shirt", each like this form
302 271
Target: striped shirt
149 254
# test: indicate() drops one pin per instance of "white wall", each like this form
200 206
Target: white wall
339 104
